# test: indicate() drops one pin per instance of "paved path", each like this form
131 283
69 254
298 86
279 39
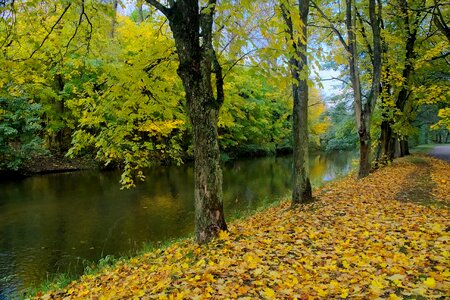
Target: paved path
441 151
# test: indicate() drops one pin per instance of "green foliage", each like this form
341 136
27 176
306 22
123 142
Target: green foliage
255 116
342 134
19 128
131 114
120 99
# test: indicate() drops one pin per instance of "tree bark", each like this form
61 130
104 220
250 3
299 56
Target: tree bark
360 114
192 32
301 185
404 148
363 111
140 11
386 143
115 5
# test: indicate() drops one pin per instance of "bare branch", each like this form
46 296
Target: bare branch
80 20
341 38
51 30
238 60
335 78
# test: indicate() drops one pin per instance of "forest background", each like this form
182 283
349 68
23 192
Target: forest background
85 79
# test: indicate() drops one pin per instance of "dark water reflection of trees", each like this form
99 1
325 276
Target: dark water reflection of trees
58 223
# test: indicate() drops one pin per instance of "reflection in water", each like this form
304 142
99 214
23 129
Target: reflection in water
59 223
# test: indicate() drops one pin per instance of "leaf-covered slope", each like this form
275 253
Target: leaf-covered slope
356 241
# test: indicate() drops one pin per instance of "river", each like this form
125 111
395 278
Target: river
61 223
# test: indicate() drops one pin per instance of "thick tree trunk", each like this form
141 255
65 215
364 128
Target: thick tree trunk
404 147
301 185
387 143
209 216
364 154
197 63
301 192
301 189
364 150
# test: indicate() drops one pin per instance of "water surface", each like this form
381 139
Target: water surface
60 223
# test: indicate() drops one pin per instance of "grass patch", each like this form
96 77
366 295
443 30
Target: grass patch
422 148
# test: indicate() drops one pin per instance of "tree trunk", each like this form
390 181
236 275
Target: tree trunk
397 149
360 114
364 111
364 148
140 11
115 4
301 192
301 185
208 195
387 142
404 148
197 63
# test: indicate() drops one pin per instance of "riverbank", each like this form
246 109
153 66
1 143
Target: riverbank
384 236
48 164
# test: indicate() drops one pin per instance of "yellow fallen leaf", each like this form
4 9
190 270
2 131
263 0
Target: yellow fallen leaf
446 273
223 235
269 293
377 286
437 227
344 293
394 297
430 282
321 292
396 277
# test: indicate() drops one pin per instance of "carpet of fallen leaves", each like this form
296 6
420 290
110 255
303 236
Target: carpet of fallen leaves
356 241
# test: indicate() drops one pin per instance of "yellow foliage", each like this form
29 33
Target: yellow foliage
163 128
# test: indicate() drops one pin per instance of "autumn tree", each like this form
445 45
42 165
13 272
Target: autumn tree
365 96
415 70
192 28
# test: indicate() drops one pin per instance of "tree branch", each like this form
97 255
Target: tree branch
156 4
440 56
341 38
335 78
80 20
238 60
51 30
364 35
